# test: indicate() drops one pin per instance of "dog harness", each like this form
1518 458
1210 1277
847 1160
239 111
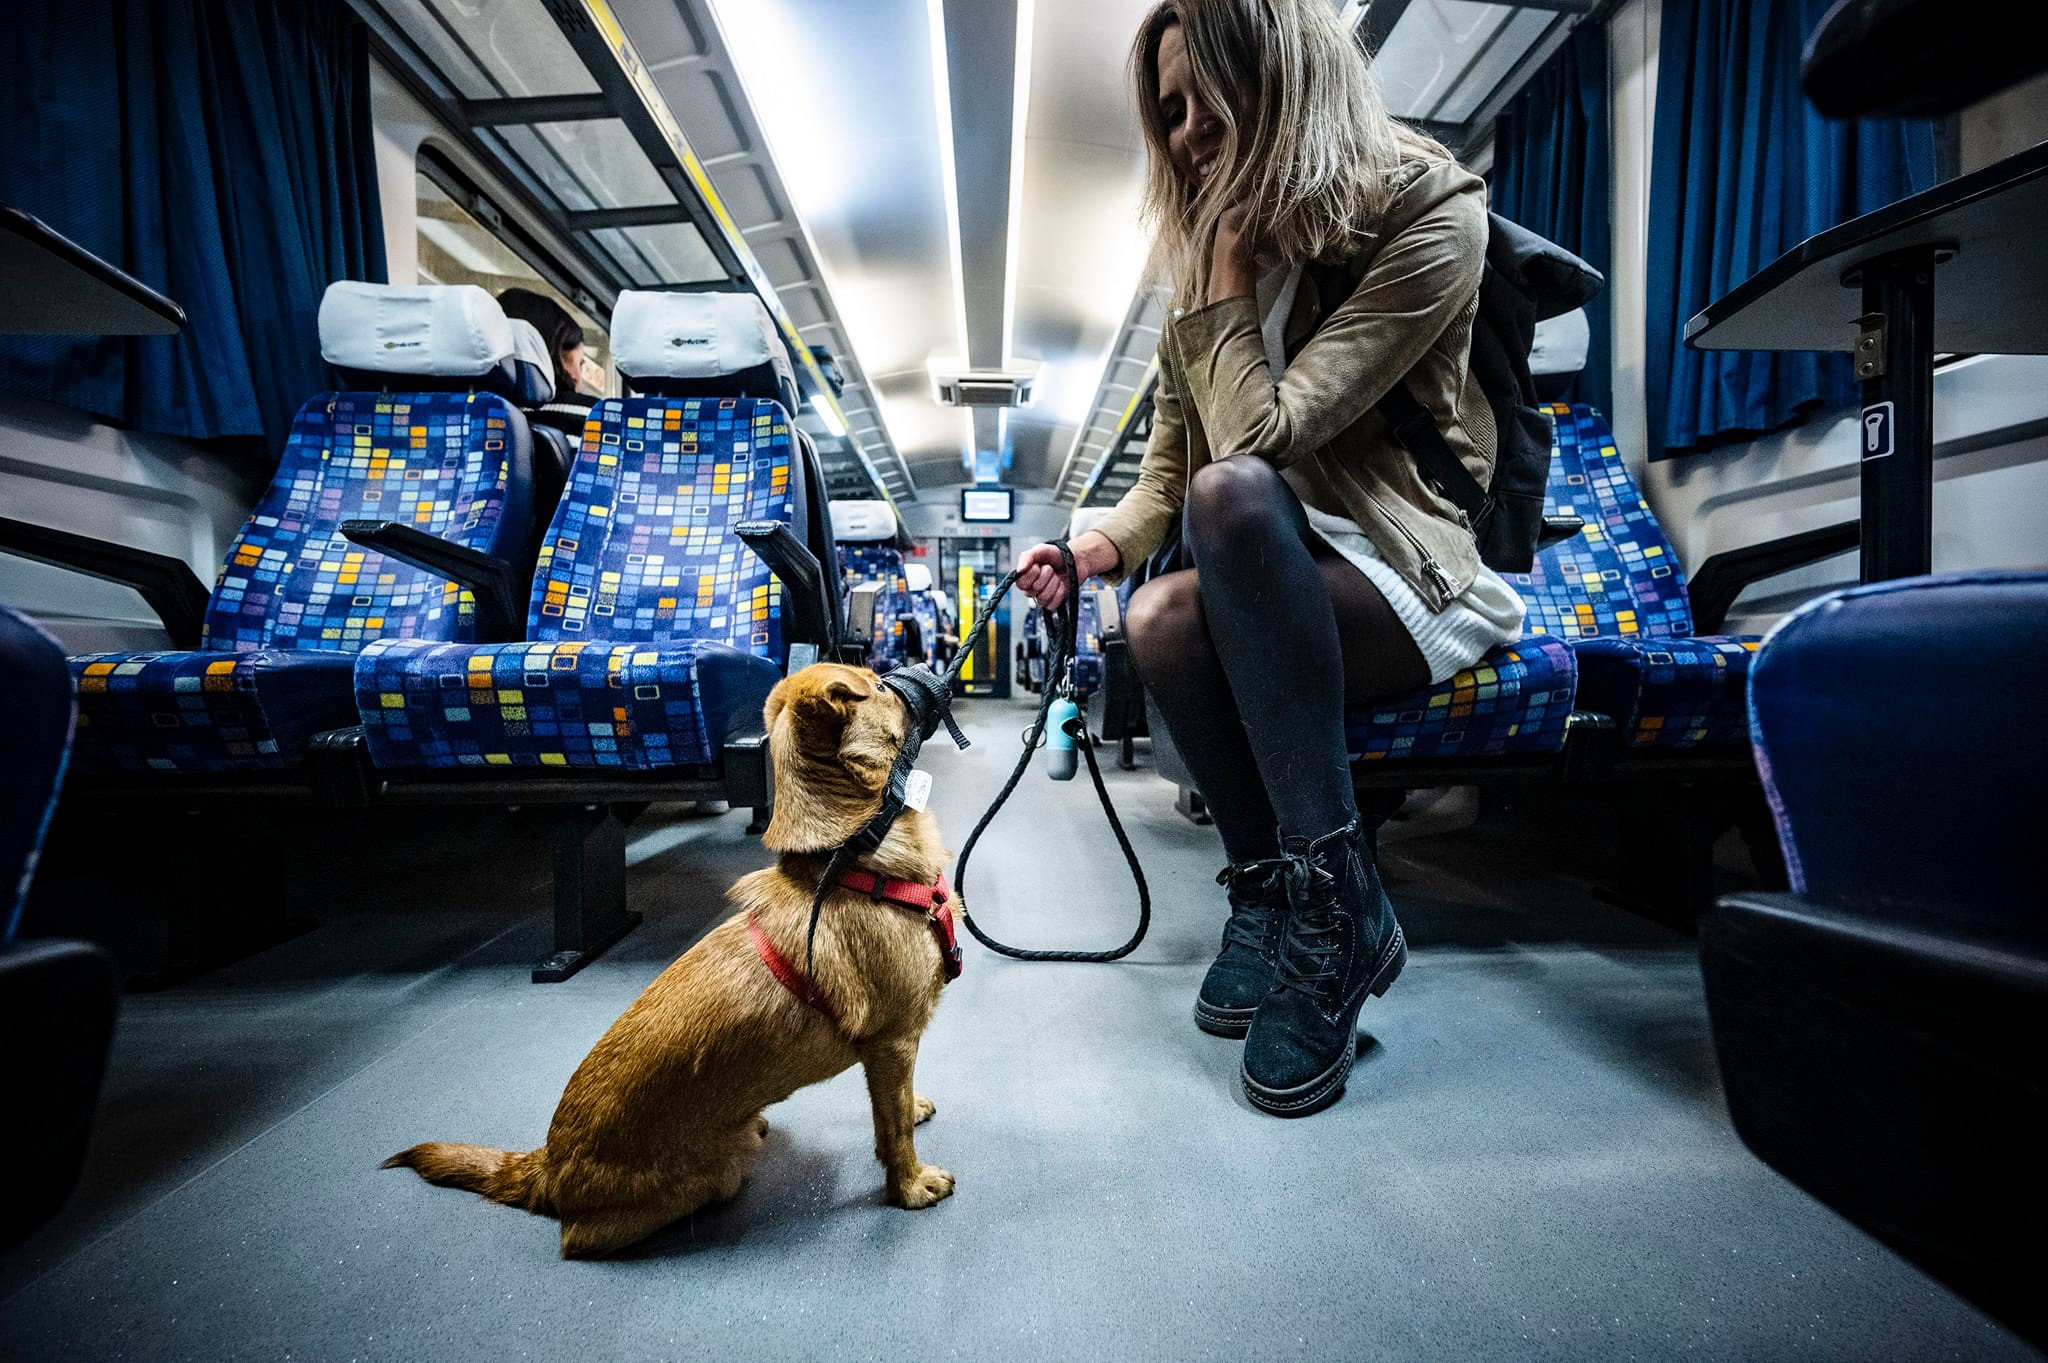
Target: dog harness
931 902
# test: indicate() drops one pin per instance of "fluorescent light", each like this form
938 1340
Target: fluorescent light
949 181
1020 119
828 412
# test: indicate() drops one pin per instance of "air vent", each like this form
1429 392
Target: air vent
984 388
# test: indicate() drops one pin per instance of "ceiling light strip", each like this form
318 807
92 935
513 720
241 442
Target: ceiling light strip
949 183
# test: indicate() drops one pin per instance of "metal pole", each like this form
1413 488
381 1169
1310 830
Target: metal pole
1895 362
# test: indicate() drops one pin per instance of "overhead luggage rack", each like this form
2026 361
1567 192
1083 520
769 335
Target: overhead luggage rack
555 95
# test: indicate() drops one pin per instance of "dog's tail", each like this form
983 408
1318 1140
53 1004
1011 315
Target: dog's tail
501 1175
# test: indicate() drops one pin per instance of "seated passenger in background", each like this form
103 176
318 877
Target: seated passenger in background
574 370
1325 570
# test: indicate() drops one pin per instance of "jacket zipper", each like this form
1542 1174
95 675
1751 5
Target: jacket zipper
1431 569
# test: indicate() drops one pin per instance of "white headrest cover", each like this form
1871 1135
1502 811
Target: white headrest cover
918 576
1561 343
527 345
694 336
1086 518
862 521
448 330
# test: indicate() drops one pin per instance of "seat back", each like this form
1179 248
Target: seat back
440 448
35 733
642 549
1897 728
1619 575
882 564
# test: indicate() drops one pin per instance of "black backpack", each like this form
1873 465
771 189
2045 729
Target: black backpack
1527 280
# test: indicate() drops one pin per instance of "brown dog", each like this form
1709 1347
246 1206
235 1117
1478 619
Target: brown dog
664 1115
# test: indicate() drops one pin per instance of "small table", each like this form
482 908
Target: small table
1983 238
55 287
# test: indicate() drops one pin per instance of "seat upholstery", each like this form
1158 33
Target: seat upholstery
1616 593
1514 700
652 629
294 599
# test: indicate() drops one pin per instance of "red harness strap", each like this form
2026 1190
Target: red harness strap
787 975
933 901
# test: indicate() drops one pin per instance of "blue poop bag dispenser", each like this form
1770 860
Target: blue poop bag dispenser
1061 762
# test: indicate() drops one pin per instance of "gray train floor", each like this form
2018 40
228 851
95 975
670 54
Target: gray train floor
1532 1161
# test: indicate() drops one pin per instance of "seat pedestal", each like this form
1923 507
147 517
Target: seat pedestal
590 888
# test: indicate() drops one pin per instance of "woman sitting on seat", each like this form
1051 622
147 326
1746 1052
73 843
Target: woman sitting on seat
1315 253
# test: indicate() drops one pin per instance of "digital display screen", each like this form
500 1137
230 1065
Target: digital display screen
985 504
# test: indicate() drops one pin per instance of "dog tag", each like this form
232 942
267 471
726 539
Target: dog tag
917 791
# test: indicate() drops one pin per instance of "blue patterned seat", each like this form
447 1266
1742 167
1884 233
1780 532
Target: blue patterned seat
1089 668
295 600
652 630
894 611
1616 594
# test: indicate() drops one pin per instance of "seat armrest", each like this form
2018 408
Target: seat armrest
802 578
491 581
1722 577
1558 529
167 584
863 621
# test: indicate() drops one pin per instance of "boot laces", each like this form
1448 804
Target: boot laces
1310 945
1253 916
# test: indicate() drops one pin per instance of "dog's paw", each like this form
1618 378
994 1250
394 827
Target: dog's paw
922 1189
924 1109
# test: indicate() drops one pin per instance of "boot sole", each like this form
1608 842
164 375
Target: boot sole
1224 1022
1327 1087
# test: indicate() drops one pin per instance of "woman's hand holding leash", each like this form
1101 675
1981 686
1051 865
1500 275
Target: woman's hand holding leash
1038 571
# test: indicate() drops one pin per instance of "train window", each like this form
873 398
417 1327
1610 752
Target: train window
457 247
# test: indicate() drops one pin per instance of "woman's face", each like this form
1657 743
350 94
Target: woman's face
572 363
1194 135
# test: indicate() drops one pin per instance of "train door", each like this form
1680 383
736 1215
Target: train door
971 568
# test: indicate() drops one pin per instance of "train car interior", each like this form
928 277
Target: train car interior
1014 679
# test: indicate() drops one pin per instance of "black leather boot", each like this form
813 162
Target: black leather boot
1340 945
1243 972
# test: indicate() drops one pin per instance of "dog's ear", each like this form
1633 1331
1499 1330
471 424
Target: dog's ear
832 703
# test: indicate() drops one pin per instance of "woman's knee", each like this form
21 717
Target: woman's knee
1164 625
1236 503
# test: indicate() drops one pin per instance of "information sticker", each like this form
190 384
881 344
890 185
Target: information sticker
1877 430
917 791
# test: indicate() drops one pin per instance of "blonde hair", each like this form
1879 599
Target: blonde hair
1308 146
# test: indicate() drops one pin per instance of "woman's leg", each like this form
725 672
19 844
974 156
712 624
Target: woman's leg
1170 644
1296 631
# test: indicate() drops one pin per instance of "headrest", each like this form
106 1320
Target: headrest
1084 519
1560 345
917 576
863 521
701 345
534 366
430 331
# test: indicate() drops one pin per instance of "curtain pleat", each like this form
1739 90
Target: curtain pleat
1550 174
1741 170
220 151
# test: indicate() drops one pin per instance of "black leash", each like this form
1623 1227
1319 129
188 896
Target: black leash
1058 677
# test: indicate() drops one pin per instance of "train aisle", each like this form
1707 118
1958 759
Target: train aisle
1533 1160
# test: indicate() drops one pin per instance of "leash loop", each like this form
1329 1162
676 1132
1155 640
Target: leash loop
1066 627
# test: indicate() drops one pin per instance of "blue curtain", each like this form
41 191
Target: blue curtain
1742 169
1550 159
217 150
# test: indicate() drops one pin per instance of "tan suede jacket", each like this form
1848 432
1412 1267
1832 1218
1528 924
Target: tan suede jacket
1415 290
